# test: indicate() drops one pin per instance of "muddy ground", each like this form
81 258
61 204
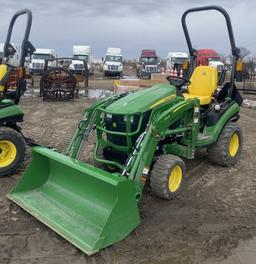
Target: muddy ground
215 212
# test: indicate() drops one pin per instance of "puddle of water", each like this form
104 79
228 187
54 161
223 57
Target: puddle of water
129 77
99 93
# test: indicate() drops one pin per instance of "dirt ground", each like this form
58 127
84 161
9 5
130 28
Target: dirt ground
216 211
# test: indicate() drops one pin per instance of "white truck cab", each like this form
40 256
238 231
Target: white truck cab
113 62
81 53
38 60
217 63
175 58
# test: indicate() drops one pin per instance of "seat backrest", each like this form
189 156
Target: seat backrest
3 76
204 81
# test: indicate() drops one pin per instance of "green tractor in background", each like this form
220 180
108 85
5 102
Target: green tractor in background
12 141
140 137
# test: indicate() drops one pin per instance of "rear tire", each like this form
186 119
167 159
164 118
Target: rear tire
168 176
12 150
226 151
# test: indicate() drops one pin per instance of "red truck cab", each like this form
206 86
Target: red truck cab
204 56
148 63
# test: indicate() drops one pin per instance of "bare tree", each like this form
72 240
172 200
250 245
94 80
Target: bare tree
244 52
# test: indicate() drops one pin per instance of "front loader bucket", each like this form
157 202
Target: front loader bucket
86 205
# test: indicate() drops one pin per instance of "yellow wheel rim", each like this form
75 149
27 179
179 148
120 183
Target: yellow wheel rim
8 153
234 145
175 178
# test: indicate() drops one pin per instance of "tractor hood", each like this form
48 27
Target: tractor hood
142 101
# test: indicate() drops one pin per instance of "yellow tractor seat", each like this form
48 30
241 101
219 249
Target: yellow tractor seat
3 76
204 81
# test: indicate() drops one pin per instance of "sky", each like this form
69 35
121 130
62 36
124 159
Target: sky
131 25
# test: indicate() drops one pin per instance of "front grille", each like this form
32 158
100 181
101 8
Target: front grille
113 67
117 123
78 66
38 65
151 69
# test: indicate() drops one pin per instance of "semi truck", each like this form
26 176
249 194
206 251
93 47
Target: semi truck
175 60
37 63
148 63
210 57
81 53
14 59
113 62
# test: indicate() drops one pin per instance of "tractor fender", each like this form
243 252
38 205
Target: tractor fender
214 131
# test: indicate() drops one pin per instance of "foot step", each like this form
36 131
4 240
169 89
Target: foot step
202 136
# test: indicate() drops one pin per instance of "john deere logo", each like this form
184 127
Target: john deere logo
114 125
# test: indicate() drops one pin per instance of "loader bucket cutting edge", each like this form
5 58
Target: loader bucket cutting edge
89 207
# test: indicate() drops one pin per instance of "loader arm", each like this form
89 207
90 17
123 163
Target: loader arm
86 126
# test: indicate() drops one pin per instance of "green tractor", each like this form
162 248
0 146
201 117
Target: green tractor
140 137
12 141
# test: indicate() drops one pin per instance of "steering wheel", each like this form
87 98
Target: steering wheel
178 81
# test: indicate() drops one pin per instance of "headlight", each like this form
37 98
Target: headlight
109 116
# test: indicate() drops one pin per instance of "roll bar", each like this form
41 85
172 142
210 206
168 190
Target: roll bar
26 46
235 51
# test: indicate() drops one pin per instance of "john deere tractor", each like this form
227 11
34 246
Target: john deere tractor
140 137
12 141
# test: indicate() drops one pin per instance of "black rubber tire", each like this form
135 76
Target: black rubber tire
159 179
7 133
219 151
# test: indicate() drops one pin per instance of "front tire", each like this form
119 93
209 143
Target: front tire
12 150
168 176
226 151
